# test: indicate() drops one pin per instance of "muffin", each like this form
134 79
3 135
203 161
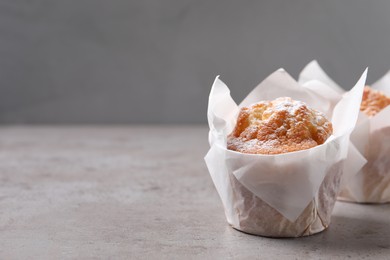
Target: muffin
277 164
374 178
274 127
370 139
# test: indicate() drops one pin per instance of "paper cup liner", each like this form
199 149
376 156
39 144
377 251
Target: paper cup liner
258 218
372 183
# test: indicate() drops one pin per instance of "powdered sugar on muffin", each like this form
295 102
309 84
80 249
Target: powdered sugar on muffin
279 126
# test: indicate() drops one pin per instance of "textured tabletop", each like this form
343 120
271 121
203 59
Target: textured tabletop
143 192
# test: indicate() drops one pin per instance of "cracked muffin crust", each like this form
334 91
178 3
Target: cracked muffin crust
279 126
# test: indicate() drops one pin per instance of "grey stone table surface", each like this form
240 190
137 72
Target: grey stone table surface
143 192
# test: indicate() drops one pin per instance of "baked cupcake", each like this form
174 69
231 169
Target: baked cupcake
370 138
275 127
372 183
277 164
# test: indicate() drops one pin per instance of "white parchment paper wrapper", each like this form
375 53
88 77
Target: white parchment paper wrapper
284 195
371 138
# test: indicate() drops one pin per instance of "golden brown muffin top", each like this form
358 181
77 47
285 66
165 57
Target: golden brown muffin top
373 101
279 126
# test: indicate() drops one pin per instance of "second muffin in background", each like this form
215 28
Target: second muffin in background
371 137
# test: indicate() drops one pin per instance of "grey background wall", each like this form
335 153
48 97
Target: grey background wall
112 61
